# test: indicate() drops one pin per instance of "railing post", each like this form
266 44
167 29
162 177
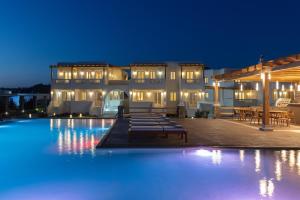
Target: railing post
216 99
265 75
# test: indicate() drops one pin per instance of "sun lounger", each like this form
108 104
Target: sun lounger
166 130
150 123
176 130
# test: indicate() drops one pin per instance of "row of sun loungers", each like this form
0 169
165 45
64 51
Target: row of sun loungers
149 124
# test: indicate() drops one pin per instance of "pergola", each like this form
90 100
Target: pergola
285 69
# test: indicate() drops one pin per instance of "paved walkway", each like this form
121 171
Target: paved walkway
208 132
228 133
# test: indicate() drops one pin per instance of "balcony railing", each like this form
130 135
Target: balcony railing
147 81
76 81
192 81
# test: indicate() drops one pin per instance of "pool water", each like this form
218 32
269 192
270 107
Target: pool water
57 159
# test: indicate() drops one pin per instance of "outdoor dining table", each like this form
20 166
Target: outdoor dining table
246 112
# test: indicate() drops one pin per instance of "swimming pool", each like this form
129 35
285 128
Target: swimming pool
57 159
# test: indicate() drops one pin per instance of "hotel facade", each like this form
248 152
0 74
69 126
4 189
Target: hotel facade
99 88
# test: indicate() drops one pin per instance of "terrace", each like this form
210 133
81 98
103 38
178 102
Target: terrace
279 72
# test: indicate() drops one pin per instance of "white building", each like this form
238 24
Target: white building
98 88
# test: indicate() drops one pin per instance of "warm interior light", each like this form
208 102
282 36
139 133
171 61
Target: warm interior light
91 94
277 85
160 73
71 115
29 115
146 73
60 73
298 87
80 115
148 94
186 94
269 76
241 87
257 87
262 76
103 92
291 87
134 73
282 87
81 73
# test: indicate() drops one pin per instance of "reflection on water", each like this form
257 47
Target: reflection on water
77 136
268 174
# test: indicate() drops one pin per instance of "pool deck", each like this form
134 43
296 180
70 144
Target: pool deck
209 132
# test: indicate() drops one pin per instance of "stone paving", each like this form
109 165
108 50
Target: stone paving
209 132
229 133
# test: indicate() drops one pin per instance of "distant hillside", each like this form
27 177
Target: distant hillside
38 88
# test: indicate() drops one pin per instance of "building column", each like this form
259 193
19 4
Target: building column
45 103
266 101
34 99
22 102
216 99
6 104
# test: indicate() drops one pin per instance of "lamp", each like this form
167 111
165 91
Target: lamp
257 87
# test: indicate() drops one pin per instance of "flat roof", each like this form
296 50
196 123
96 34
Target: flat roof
281 69
80 64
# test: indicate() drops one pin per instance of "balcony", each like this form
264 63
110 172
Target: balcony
76 83
118 82
147 83
192 83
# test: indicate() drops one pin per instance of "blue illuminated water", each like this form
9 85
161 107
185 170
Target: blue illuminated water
57 159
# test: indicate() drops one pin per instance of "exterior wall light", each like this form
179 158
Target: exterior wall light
291 88
262 76
257 87
277 85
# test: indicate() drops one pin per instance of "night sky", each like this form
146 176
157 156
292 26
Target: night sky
35 34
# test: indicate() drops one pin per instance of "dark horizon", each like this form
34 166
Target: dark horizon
231 34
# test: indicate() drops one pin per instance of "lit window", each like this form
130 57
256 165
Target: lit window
173 76
206 80
189 75
172 96
152 75
138 96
